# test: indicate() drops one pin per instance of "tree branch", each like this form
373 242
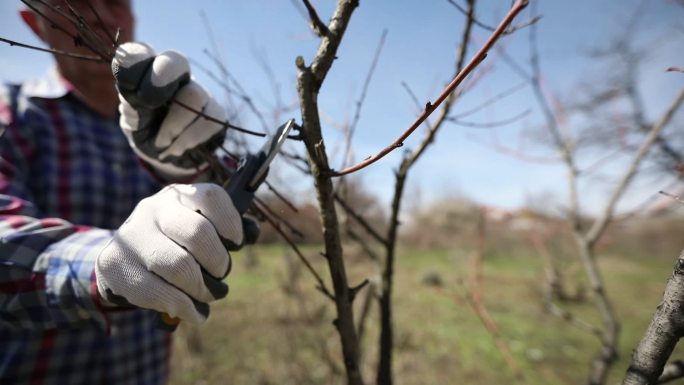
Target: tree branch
53 51
319 28
431 107
321 284
602 222
672 371
490 28
309 82
662 334
360 219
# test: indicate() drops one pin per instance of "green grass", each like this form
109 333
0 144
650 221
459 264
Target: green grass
276 328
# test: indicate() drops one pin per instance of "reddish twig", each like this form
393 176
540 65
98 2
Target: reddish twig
430 107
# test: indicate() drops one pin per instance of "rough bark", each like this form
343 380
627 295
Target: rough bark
309 82
663 333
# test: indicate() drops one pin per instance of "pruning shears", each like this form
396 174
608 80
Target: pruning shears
250 174
253 168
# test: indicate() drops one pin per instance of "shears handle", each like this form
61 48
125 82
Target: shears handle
241 186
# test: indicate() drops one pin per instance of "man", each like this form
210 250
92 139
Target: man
103 222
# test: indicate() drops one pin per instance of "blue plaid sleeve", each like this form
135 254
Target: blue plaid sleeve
47 271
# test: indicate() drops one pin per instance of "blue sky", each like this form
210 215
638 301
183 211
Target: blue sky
419 50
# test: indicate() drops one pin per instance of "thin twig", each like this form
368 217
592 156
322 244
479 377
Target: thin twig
78 39
360 219
241 92
218 121
675 197
107 56
490 325
319 28
321 284
265 208
498 123
282 197
102 25
364 245
602 222
87 31
490 101
490 28
53 51
362 98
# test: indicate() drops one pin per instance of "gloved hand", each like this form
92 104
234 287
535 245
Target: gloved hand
173 140
172 252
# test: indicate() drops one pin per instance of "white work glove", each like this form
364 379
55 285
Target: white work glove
173 140
172 252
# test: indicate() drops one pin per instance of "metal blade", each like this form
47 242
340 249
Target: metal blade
270 149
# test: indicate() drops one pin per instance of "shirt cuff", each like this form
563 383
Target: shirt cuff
69 278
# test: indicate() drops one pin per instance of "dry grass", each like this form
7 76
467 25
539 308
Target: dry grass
275 328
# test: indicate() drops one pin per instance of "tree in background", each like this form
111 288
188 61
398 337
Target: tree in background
609 124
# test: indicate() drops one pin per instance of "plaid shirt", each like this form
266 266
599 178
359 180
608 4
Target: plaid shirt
67 177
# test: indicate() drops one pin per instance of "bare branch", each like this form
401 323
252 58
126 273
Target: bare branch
241 93
319 28
502 122
277 218
282 197
675 197
674 370
218 121
53 51
430 107
360 219
112 39
365 311
309 81
602 222
362 98
490 101
78 39
364 245
490 28
321 284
